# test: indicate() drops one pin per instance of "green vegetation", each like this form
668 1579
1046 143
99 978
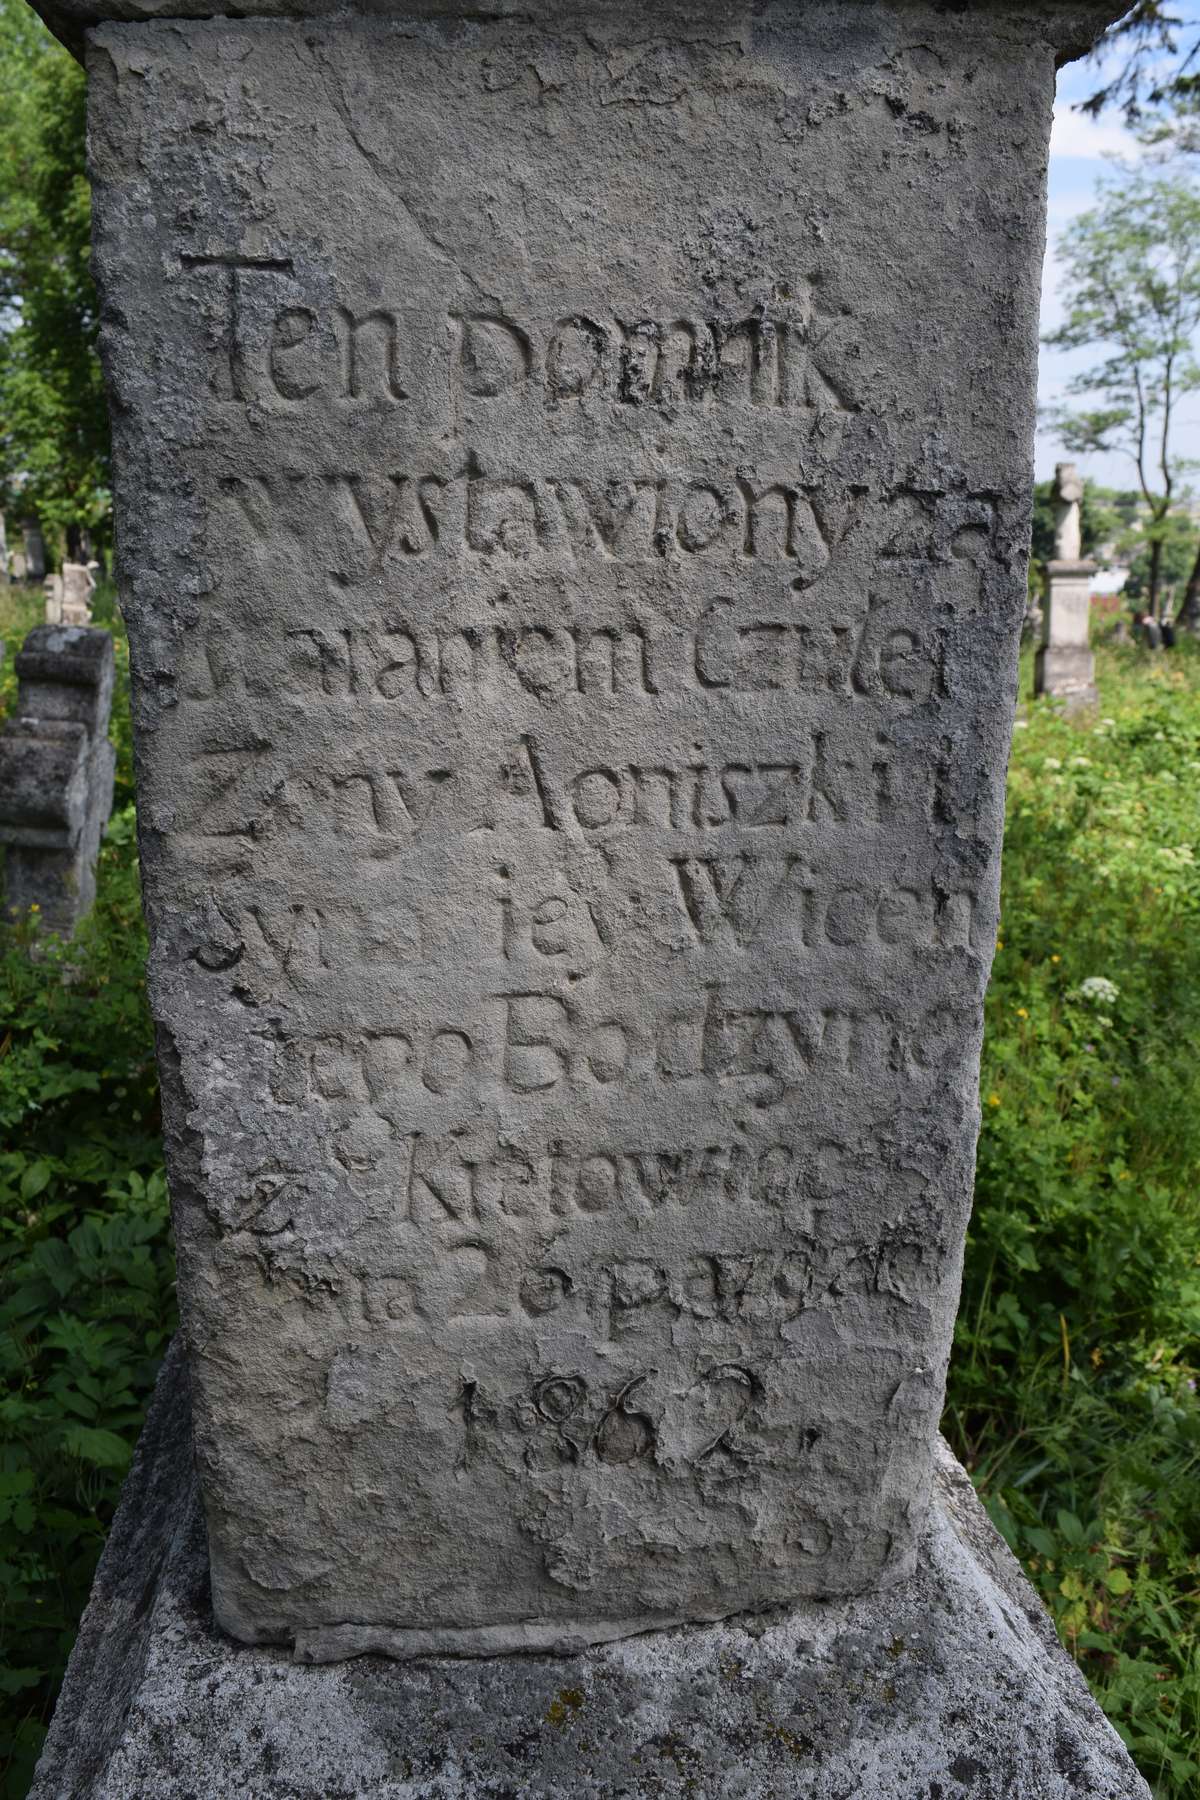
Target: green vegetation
86 1274
54 440
1073 1389
1072 1393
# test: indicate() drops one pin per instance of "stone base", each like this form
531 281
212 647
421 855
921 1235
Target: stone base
950 1685
1067 674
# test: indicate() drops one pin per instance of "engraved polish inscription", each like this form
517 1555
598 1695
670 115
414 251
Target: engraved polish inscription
572 674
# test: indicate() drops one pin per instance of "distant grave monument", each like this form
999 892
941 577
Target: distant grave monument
574 591
35 551
56 774
52 588
78 586
1065 665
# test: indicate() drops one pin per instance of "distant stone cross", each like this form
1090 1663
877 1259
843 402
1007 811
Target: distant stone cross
1068 493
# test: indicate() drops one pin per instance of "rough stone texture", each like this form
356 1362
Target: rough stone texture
948 1686
573 545
56 773
52 588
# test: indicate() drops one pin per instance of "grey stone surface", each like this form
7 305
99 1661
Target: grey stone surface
573 547
56 774
950 1685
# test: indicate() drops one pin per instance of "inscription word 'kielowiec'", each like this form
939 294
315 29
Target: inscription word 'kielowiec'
573 544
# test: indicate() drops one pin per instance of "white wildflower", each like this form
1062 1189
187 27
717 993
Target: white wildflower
1100 990
1052 762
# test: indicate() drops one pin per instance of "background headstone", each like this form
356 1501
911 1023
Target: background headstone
78 585
53 590
35 551
1065 666
56 774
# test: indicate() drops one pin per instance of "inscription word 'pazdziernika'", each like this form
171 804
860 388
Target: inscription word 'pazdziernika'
574 584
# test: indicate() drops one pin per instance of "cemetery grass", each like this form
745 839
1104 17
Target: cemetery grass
1072 1393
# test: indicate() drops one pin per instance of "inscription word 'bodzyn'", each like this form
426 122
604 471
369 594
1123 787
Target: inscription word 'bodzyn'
575 600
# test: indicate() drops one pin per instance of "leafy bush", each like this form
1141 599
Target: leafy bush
86 1274
1073 1389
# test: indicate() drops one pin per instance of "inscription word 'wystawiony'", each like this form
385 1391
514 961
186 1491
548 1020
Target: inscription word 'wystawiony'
573 558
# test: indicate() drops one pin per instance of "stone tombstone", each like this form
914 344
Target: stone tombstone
4 562
78 586
35 550
56 774
17 567
52 587
574 553
1065 665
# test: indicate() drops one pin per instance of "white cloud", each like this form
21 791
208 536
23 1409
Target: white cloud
1082 138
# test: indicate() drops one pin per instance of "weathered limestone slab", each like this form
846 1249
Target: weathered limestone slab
948 1686
56 774
78 585
52 588
574 553
1065 666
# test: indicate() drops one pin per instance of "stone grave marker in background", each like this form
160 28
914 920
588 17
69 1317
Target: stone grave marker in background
56 774
573 548
35 550
78 586
1065 665
52 587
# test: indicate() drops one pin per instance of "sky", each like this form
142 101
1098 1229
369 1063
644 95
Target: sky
1081 150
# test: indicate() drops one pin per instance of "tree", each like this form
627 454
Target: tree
1132 289
1177 552
54 441
1159 62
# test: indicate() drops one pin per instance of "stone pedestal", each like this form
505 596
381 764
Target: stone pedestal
1065 668
951 1686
